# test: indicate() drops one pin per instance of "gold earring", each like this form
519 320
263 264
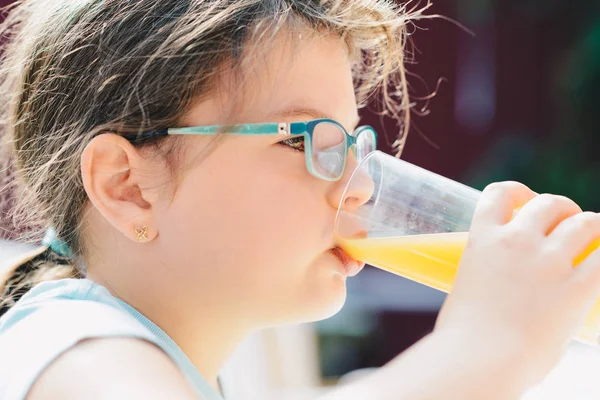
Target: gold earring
141 232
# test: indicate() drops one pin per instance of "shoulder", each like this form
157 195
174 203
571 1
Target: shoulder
111 368
52 335
67 320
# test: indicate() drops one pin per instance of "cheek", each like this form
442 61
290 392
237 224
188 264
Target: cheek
283 219
270 220
254 238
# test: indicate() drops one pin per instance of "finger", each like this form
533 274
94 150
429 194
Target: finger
498 203
574 235
545 212
587 274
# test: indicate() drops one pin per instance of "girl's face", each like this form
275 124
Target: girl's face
249 229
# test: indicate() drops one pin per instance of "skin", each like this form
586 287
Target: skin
241 241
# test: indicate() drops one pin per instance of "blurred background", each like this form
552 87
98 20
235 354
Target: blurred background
518 100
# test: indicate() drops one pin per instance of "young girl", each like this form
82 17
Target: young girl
171 245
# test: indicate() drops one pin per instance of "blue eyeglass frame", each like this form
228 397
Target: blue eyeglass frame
305 129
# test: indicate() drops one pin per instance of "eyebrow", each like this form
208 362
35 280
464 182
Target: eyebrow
296 111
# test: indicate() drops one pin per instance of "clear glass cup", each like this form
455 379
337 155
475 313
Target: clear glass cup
416 225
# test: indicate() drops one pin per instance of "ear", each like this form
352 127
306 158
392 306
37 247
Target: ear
119 182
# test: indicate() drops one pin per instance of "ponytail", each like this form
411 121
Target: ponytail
38 265
52 260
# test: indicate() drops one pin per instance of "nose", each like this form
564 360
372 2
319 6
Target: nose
355 195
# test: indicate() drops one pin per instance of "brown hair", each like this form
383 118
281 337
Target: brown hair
73 69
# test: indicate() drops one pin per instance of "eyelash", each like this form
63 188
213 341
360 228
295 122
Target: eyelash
294 143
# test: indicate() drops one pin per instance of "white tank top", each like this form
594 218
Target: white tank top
54 316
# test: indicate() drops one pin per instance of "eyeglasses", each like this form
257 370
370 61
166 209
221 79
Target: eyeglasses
326 142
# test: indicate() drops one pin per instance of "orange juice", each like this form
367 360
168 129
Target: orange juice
433 261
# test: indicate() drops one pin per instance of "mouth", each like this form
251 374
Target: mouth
350 266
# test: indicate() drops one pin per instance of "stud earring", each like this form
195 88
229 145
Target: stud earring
141 232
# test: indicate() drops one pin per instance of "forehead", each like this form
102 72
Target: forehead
300 74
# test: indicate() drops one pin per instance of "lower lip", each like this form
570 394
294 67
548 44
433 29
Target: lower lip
350 266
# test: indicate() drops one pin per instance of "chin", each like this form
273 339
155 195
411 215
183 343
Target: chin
328 302
320 295
332 310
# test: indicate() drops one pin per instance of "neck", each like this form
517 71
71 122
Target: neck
207 340
207 335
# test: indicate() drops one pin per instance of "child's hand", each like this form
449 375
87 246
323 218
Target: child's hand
516 288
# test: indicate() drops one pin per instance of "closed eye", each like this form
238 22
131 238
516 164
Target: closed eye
295 143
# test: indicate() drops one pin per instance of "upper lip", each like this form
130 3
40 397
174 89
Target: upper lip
342 253
358 235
